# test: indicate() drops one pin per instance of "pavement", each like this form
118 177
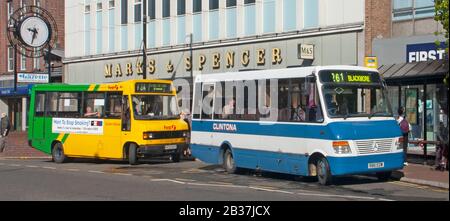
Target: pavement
416 172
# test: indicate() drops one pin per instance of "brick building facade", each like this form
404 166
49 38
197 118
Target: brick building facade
15 103
401 34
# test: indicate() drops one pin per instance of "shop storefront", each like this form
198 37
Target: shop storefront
416 82
17 102
339 47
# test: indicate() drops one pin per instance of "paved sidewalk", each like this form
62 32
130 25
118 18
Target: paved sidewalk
17 147
423 174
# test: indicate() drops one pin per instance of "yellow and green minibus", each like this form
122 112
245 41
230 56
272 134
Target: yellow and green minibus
128 120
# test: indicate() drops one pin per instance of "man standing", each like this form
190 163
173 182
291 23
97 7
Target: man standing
405 127
5 126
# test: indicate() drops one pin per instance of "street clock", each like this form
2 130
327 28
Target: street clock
32 30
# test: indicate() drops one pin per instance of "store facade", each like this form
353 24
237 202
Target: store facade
414 69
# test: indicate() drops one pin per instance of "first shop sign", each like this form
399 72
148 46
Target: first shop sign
424 52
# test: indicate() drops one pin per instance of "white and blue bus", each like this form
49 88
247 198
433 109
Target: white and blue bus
309 121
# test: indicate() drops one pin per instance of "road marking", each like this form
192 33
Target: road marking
217 185
185 180
383 199
31 166
73 170
220 183
270 190
168 180
15 165
337 196
50 168
123 174
95 171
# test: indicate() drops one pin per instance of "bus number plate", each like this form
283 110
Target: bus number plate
376 165
170 147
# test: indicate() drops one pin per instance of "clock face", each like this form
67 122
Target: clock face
34 31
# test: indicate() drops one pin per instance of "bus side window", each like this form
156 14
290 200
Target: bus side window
126 116
113 107
94 105
52 104
68 104
39 104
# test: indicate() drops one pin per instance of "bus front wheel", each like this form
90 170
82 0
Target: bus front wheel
323 171
132 154
228 162
58 153
384 176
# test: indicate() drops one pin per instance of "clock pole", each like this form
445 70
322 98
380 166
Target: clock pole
15 69
49 68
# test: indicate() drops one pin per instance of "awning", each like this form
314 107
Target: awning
417 71
22 90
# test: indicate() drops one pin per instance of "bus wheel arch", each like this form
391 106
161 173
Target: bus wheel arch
130 152
226 157
318 166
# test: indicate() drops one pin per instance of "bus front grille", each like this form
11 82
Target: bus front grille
374 146
168 134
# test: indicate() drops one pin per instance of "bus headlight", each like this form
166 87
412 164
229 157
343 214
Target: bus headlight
148 136
399 143
341 147
185 134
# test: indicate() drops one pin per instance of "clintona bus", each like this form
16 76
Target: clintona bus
309 121
129 120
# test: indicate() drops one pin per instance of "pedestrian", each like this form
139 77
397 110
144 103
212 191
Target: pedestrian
405 128
442 148
5 126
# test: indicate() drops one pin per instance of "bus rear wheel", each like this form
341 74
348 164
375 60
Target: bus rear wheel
228 162
323 172
58 153
132 154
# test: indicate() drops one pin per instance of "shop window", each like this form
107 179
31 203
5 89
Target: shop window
197 6
124 12
231 3
181 7
410 9
151 9
166 9
137 10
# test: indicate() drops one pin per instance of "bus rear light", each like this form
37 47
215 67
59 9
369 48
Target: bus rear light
399 143
341 147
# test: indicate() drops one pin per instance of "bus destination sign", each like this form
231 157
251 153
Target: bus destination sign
349 77
153 88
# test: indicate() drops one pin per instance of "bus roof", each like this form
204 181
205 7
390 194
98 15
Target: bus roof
87 87
275 73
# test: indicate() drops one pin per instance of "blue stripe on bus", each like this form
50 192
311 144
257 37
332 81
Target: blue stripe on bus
360 164
333 131
297 164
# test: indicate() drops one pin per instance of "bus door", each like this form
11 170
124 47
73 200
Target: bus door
208 91
109 144
126 117
38 123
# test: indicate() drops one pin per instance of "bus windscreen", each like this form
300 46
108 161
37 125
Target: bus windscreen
349 77
153 88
